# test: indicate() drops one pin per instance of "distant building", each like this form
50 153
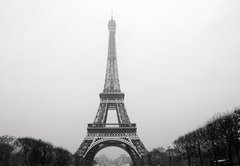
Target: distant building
103 160
122 160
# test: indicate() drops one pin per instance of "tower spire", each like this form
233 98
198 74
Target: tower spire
111 78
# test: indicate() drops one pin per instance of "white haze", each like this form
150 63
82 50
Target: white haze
179 64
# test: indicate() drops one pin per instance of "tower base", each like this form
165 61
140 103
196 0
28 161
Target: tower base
99 138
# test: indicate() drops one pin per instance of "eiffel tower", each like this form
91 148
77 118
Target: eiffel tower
101 134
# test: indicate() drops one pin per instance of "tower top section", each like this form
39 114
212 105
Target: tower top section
112 25
111 79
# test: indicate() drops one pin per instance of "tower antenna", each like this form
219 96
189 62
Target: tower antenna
111 15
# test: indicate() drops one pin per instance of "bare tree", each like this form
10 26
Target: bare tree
37 151
199 140
5 154
15 155
62 157
183 144
236 142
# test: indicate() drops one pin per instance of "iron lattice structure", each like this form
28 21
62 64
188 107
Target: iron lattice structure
101 134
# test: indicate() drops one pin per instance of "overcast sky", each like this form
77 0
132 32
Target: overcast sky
178 60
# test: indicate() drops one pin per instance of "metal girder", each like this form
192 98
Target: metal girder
122 134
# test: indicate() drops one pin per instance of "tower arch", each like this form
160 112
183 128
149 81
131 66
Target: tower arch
91 153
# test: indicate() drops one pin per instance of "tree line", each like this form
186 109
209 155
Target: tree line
31 152
215 143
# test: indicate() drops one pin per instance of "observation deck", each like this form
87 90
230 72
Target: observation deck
112 128
111 95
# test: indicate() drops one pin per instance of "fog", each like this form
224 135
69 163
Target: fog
178 64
